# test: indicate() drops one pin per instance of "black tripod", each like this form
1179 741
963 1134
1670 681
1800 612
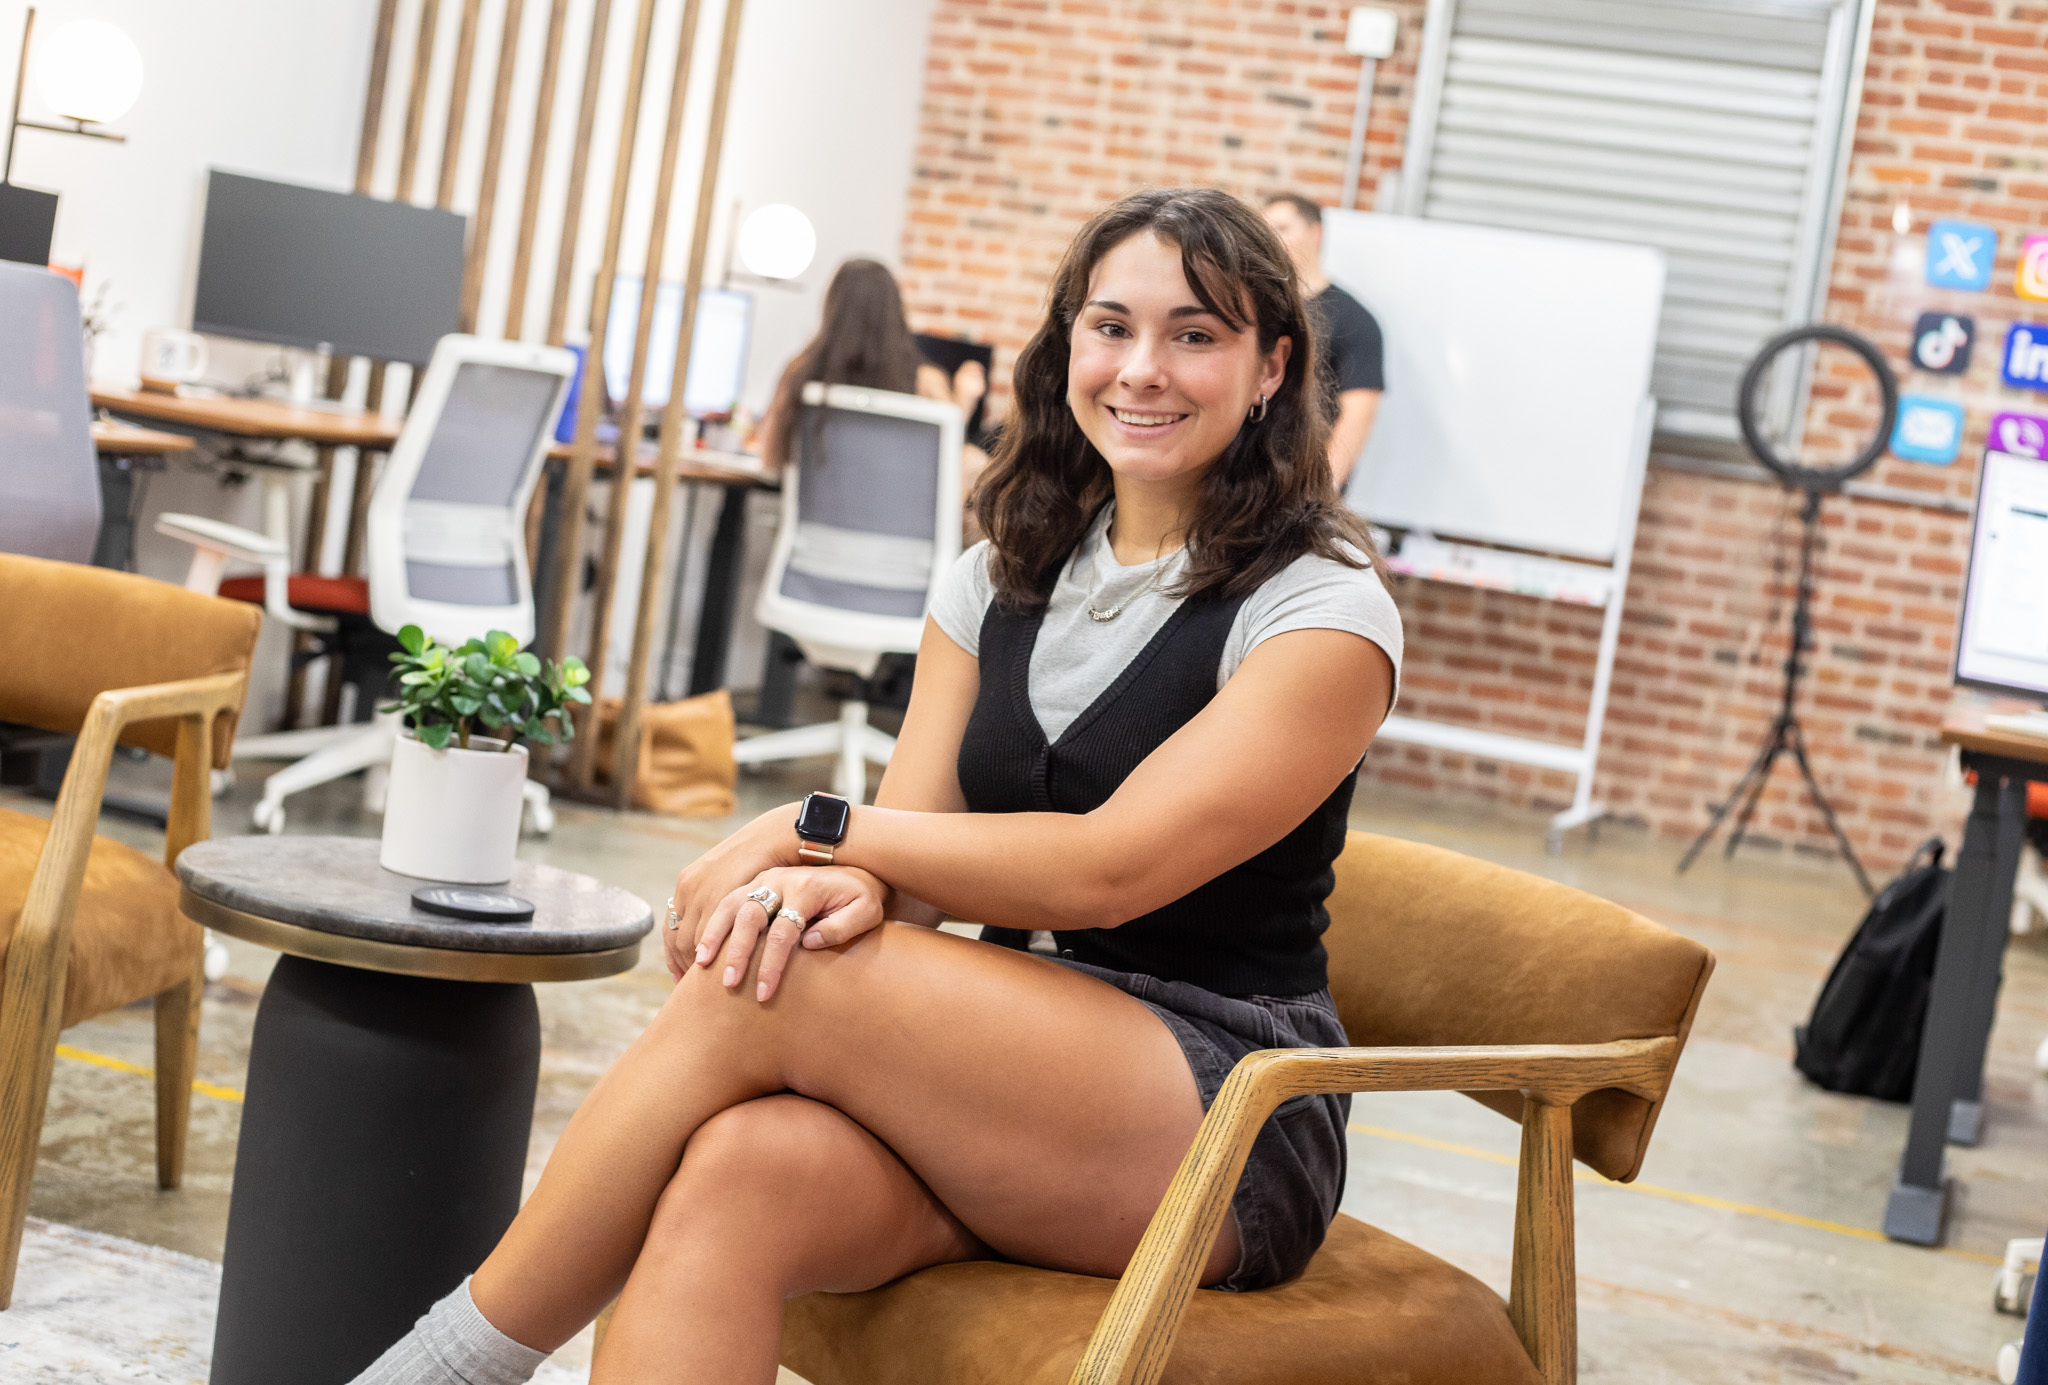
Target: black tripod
1785 734
1816 482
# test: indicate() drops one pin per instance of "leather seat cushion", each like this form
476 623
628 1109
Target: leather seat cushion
128 939
306 591
1369 1308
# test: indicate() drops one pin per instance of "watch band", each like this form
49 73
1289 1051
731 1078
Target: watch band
814 853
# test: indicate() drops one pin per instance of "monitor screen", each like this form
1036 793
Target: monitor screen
718 350
305 267
2003 643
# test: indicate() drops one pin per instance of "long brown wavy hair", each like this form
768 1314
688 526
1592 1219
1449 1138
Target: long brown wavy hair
1269 498
863 338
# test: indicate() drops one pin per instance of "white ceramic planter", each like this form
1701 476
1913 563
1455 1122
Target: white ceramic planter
454 814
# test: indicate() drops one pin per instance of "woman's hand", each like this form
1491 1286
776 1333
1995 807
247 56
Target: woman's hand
763 844
970 383
823 906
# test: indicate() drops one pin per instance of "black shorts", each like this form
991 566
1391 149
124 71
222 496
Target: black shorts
1294 1178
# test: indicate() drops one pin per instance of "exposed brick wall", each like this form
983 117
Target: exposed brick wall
1039 111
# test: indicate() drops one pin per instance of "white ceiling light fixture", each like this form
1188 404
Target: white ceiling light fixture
89 71
777 242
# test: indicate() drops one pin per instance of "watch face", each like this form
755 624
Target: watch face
824 818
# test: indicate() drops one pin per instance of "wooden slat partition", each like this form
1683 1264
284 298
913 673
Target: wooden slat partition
583 460
494 153
416 99
458 103
633 412
655 568
579 167
536 170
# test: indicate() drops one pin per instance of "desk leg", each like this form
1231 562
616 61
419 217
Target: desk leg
1920 1195
382 1150
721 593
1966 1114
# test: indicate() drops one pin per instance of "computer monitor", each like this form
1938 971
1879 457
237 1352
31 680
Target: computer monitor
718 347
2002 645
305 267
28 218
949 354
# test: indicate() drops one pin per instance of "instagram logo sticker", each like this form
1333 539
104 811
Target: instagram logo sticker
2030 280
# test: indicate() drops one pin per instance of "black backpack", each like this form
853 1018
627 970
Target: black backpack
1864 1034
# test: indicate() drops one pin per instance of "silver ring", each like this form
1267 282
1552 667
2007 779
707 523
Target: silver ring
793 916
673 921
767 898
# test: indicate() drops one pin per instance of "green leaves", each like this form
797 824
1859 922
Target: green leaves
446 694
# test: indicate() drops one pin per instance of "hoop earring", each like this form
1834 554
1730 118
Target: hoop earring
1258 414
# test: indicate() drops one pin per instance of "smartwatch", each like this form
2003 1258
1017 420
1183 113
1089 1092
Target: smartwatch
821 826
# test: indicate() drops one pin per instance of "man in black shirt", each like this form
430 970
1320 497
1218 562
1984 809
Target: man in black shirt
1351 348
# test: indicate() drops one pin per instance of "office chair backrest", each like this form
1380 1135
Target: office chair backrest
446 537
870 519
49 476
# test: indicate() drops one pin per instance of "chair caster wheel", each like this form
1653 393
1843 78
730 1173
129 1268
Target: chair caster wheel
269 817
223 780
540 819
2009 1363
216 964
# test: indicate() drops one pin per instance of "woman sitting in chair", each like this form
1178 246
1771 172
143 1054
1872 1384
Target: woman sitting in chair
1137 716
864 339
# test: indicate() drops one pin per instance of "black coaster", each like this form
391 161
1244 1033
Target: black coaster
481 906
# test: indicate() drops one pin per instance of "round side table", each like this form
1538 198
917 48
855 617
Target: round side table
390 1093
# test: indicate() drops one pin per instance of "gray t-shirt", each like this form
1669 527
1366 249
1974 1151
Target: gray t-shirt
1076 656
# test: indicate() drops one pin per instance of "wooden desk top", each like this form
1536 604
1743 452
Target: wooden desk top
696 464
1964 726
126 440
251 418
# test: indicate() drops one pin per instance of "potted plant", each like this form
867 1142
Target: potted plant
458 771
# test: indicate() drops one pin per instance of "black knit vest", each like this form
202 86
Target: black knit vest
1257 928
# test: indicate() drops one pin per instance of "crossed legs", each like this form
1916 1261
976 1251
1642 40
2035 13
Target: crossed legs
911 1099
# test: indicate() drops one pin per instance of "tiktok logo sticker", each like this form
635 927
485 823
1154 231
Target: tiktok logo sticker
2022 435
1942 341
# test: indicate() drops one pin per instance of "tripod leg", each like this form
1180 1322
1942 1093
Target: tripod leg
1827 813
1759 770
1779 742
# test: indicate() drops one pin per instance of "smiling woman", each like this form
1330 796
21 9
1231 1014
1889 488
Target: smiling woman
1138 713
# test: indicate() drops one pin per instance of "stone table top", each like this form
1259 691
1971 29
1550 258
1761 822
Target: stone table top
334 885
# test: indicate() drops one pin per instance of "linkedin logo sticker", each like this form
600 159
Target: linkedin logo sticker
2026 356
1928 430
2021 434
1942 341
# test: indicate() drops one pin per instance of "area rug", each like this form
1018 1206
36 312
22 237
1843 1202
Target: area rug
98 1310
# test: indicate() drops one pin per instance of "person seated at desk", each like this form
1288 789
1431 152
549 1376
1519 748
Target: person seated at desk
1139 711
1352 350
864 339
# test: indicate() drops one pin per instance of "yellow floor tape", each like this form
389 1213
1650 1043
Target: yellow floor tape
101 1060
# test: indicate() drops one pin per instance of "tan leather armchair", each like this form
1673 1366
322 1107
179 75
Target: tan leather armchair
1561 1011
88 925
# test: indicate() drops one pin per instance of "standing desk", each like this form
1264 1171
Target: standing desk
123 450
1948 1085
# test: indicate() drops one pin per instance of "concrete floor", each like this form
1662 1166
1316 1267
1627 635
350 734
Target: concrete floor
1747 1252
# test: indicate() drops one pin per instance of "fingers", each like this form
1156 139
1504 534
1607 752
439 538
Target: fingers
781 941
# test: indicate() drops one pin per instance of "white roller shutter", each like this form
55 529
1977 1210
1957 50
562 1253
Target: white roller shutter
1715 130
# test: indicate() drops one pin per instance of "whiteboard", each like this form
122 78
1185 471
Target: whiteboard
1517 366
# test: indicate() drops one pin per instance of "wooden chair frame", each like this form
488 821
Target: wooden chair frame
1135 1334
32 997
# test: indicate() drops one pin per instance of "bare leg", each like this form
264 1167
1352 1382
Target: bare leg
1046 1110
776 1197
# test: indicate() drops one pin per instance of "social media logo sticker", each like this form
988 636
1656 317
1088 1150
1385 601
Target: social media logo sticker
2026 357
2021 434
1942 341
1928 430
1960 254
2030 280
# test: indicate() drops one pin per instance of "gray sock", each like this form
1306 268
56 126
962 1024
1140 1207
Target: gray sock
454 1344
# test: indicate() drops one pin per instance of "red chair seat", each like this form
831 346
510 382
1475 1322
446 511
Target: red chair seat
307 591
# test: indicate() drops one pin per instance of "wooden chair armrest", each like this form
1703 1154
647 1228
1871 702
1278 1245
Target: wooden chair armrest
36 957
1131 1342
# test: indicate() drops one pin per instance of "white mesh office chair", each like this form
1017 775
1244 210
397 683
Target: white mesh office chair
446 552
49 477
870 523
